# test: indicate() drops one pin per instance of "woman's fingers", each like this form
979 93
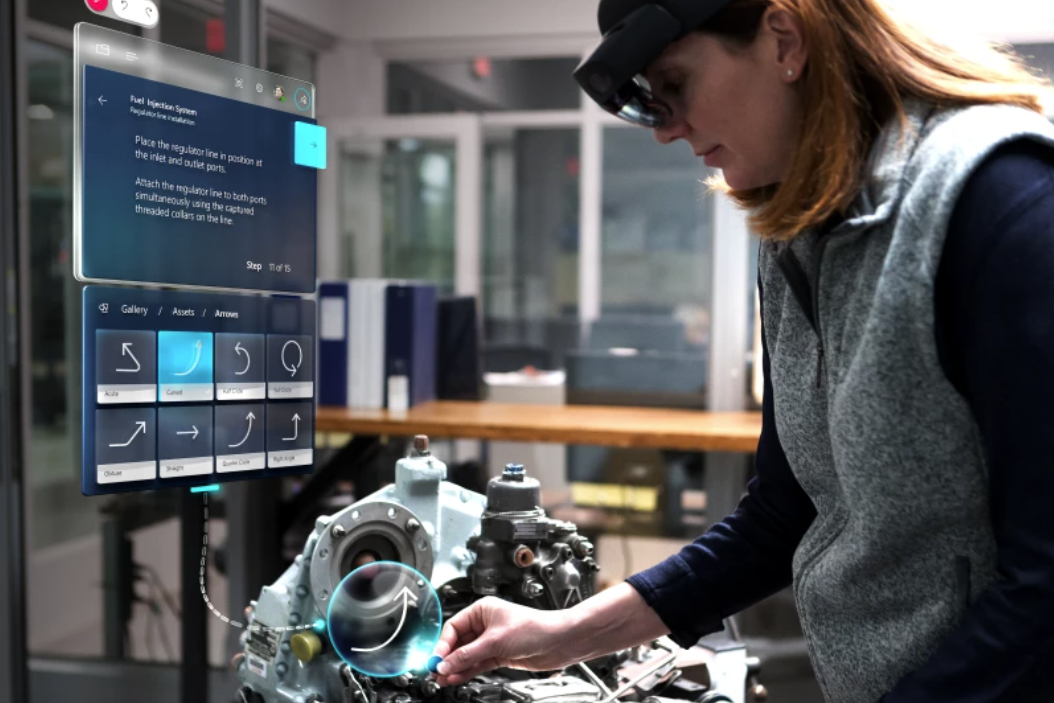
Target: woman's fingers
460 629
466 676
467 657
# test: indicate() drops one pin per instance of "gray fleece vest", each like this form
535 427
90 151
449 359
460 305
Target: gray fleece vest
881 441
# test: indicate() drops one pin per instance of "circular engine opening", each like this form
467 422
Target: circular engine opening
367 550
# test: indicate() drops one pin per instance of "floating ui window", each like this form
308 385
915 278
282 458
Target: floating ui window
192 389
190 170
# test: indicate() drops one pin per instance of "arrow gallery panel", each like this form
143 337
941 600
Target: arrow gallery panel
191 388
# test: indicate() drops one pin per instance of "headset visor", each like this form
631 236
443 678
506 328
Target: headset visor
611 75
635 103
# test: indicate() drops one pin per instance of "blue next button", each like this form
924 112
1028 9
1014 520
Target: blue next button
310 141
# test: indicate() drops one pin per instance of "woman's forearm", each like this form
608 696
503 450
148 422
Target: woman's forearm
612 620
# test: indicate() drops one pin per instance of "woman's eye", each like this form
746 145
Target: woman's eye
671 88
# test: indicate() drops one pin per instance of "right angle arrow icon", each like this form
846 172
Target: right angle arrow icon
296 429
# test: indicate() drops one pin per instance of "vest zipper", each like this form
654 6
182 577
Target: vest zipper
814 292
819 367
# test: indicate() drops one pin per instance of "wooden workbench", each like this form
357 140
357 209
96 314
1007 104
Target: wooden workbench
690 430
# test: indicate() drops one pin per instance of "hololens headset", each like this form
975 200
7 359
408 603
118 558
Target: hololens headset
634 33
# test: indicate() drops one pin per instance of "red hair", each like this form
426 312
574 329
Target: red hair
864 62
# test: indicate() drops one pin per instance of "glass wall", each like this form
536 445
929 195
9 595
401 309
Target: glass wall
290 60
656 240
397 209
482 85
191 26
530 246
72 605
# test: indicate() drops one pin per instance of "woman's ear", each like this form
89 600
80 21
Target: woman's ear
786 41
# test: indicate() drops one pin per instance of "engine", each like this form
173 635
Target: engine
468 546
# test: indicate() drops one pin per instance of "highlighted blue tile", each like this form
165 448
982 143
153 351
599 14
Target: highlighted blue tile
310 145
184 366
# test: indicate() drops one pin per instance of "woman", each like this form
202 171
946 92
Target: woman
905 197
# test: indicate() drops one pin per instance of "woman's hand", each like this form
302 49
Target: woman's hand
493 633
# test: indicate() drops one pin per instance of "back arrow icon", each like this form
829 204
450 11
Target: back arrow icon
102 100
238 348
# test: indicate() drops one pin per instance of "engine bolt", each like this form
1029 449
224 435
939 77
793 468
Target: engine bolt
281 669
533 589
401 681
429 688
338 531
413 525
421 445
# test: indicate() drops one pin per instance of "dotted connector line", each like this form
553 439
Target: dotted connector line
205 595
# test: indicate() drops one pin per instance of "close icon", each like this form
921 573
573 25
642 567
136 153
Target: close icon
298 355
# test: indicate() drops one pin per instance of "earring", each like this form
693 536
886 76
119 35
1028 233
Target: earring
790 73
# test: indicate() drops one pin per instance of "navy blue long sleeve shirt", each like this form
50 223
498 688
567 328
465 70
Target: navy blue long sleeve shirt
994 304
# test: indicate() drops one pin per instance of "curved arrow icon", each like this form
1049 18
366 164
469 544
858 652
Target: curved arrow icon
126 350
250 417
296 429
289 367
197 358
248 360
406 595
193 431
141 428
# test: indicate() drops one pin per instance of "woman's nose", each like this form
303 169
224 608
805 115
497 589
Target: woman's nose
670 132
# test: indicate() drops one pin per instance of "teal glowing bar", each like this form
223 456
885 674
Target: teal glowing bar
205 489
